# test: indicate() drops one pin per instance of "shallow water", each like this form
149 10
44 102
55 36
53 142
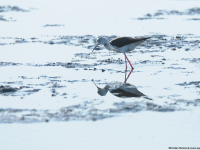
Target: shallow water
47 68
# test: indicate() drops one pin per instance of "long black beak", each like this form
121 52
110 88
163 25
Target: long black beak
95 47
94 83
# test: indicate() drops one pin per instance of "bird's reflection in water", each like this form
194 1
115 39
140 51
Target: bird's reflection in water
120 89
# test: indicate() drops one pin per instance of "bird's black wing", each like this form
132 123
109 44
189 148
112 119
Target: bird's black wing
122 41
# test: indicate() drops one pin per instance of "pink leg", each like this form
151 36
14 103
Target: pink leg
125 77
128 76
129 62
125 62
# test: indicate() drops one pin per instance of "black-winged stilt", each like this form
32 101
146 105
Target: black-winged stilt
121 45
120 89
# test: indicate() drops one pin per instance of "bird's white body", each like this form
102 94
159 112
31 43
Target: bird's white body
125 49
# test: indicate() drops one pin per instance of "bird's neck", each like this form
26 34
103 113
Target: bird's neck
107 45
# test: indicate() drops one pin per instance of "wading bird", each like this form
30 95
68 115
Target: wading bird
121 45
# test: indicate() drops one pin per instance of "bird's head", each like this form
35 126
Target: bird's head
100 41
102 91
